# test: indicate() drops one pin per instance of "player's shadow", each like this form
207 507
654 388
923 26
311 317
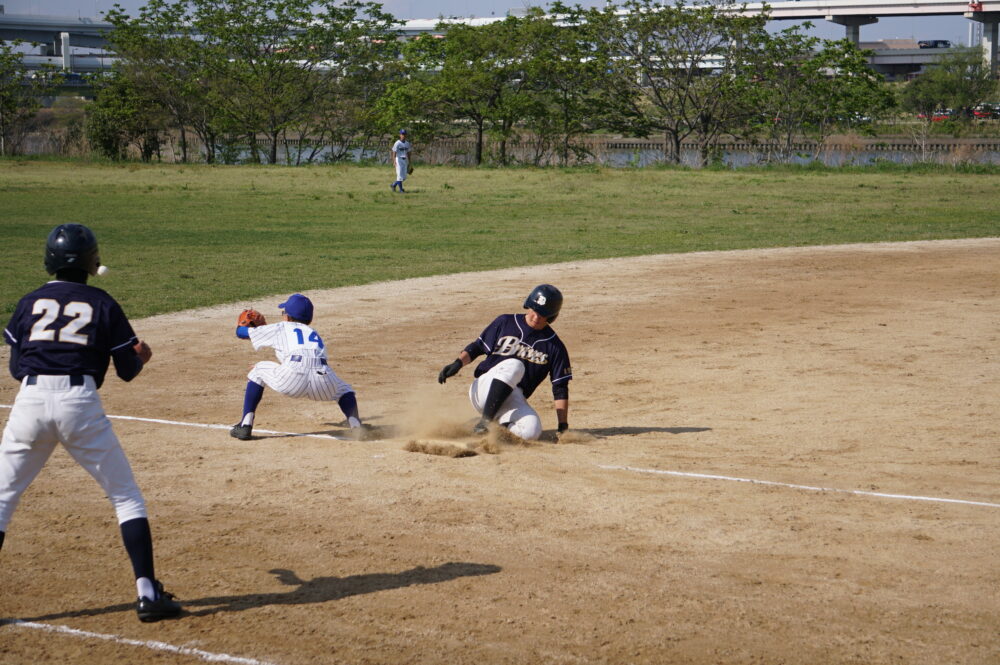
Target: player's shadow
316 590
618 431
326 589
602 432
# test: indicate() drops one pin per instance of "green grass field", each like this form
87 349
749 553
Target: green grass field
181 236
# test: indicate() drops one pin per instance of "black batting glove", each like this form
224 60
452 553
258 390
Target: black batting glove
449 370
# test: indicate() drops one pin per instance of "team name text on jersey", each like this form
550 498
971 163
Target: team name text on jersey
512 346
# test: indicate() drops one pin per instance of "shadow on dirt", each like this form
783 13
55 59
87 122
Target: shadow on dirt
325 589
617 431
316 590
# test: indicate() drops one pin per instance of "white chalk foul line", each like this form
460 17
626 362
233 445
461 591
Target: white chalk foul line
226 427
148 644
210 426
707 476
682 474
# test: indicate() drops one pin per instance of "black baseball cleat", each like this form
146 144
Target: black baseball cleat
164 607
393 185
241 432
481 427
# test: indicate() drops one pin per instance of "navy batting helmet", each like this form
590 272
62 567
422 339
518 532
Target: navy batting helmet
71 246
546 300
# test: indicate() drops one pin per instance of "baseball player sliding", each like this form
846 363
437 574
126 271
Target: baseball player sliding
521 350
301 370
62 337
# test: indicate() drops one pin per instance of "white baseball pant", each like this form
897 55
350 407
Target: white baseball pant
401 164
292 379
52 411
515 410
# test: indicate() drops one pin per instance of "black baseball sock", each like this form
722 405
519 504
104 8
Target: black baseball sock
139 545
499 391
348 403
2 534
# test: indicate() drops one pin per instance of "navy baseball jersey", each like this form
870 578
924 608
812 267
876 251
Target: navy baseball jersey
543 353
70 328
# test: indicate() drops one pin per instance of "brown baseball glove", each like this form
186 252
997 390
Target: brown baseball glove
409 169
251 318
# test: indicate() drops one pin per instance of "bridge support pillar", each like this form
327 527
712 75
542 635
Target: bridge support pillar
853 25
991 32
67 55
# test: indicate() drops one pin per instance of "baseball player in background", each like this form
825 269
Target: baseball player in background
401 159
521 350
301 371
63 337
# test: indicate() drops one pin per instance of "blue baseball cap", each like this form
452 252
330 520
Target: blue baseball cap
298 307
402 131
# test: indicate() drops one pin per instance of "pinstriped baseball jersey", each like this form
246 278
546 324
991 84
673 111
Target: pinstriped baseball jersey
302 369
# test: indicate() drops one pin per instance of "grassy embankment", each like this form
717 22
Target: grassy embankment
182 236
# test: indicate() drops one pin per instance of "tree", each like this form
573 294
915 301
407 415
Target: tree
564 64
345 115
20 96
852 89
921 96
346 110
806 86
122 116
473 75
159 52
959 80
272 60
512 82
676 69
250 67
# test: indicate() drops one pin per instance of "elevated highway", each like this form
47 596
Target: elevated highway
58 34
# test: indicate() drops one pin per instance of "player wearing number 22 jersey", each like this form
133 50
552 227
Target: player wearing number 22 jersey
68 328
62 337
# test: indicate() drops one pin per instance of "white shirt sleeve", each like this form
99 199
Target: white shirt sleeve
262 336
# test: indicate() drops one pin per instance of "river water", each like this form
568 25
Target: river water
613 153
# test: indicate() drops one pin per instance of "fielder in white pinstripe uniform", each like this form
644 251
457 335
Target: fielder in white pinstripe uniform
301 371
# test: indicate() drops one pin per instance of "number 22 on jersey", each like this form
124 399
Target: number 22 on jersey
81 314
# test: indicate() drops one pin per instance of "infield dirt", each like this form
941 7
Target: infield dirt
865 368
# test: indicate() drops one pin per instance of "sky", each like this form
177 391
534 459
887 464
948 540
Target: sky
953 28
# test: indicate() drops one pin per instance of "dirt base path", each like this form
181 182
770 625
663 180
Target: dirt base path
861 382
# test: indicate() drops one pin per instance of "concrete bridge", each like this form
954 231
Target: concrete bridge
58 34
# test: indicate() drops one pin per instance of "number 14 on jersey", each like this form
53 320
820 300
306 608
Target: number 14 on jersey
313 337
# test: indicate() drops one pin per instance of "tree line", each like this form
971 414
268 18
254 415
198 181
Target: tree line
233 72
